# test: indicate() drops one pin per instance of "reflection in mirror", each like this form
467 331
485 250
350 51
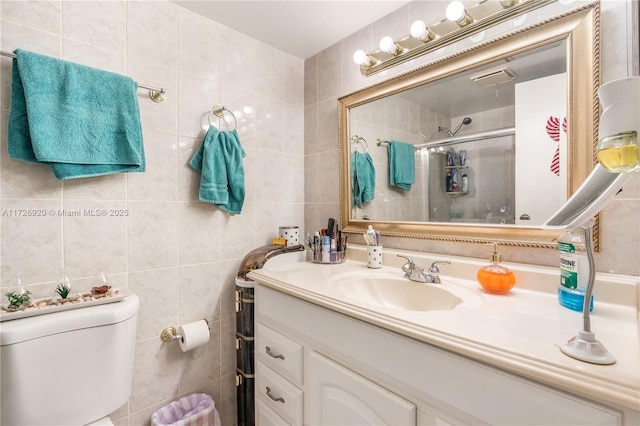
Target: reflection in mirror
502 134
467 150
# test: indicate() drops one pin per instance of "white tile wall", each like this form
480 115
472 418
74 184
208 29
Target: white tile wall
179 255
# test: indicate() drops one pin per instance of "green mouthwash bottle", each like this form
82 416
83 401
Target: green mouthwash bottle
574 271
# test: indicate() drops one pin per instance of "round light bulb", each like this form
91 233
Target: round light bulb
388 45
360 57
418 29
455 11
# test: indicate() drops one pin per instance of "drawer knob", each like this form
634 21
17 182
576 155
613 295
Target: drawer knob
272 396
273 354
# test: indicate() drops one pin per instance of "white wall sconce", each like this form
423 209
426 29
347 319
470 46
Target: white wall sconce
460 22
458 14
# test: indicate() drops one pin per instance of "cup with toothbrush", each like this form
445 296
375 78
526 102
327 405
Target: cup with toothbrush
374 248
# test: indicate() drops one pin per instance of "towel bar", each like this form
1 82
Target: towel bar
382 142
156 94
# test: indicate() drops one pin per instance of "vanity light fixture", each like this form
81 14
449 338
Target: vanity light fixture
420 31
361 58
388 45
458 14
461 22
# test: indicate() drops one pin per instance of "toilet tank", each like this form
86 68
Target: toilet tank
67 368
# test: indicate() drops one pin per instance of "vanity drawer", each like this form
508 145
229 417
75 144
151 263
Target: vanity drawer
279 394
265 416
280 353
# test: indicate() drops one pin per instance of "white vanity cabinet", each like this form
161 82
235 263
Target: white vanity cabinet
342 370
338 396
334 394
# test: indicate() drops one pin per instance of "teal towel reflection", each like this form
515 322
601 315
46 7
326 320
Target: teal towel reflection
363 178
402 164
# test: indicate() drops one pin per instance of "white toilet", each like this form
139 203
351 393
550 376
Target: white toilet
68 368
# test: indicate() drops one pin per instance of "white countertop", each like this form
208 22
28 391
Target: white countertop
520 331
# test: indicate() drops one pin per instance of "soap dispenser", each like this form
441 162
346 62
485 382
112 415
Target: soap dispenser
496 278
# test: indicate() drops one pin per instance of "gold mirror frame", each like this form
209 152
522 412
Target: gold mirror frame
581 30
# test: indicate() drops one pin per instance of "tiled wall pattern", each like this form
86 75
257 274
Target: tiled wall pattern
179 255
331 74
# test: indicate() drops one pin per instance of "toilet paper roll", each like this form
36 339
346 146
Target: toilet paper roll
193 334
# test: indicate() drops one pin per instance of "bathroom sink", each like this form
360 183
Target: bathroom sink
397 293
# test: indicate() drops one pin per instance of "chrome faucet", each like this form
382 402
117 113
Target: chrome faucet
414 272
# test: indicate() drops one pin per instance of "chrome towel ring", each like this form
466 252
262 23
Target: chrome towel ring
357 139
219 111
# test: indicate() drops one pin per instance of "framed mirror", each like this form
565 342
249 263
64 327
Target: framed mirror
502 134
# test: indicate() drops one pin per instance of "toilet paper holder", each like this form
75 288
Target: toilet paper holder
170 334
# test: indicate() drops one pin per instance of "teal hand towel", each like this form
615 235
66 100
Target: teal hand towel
219 160
363 178
81 121
402 164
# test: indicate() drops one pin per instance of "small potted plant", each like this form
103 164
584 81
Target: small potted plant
17 299
63 289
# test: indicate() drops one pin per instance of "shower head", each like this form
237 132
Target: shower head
465 121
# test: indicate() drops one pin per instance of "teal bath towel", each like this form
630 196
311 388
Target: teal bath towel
363 178
402 164
219 160
81 121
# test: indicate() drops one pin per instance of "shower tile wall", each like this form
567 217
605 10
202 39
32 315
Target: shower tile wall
620 223
179 255
489 170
